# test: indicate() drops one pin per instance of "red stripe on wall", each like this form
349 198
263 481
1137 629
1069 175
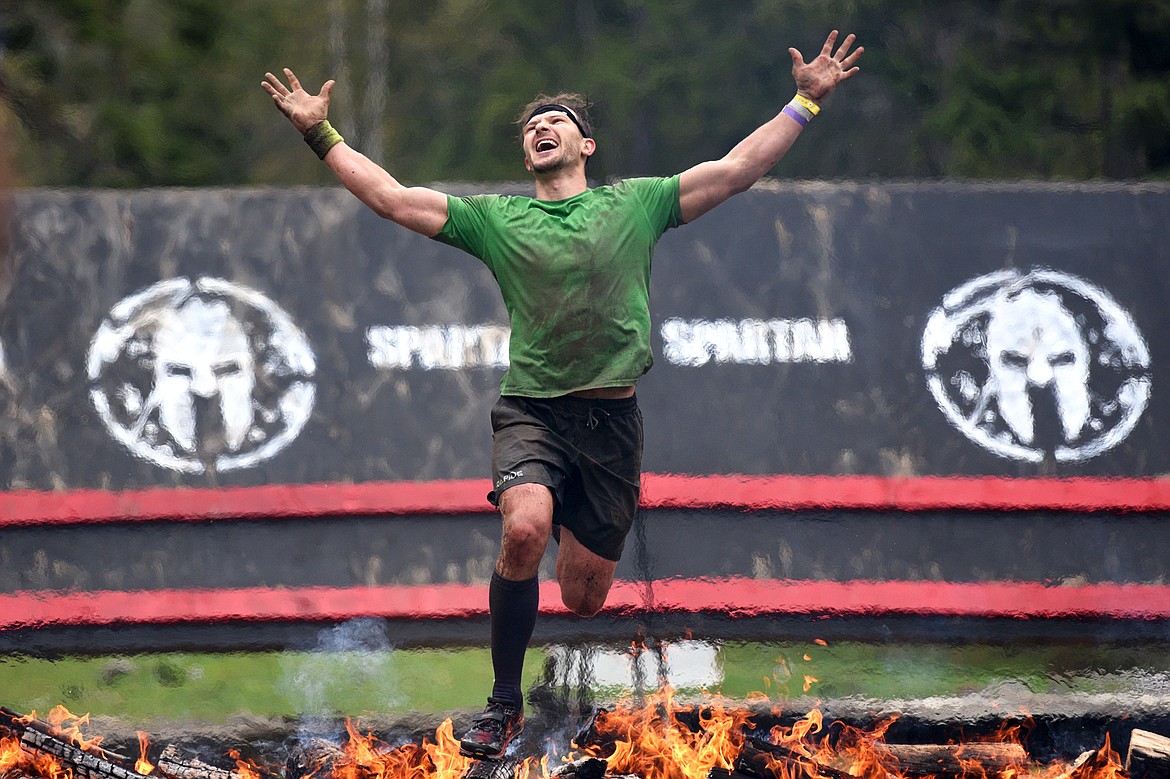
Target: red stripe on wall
452 496
735 597
660 491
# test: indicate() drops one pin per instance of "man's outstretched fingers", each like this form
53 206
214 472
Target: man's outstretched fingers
849 61
273 86
827 49
843 49
293 81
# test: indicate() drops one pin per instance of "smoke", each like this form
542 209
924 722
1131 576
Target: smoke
349 658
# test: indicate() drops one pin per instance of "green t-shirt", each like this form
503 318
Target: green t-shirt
575 276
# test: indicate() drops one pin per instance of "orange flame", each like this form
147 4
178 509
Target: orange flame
9 753
246 768
652 743
69 726
142 765
13 758
655 740
367 757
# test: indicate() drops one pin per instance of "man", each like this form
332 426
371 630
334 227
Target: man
573 265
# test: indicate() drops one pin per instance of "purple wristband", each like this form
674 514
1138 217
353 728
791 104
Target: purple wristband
795 115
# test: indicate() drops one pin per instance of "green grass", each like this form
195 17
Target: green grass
214 687
916 670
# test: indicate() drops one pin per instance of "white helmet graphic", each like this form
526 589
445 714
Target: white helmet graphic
1036 365
198 375
1033 343
200 350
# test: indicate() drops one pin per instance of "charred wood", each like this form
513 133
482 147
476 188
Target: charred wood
1148 756
591 736
173 763
584 768
756 756
490 769
18 725
1083 766
85 764
316 757
950 760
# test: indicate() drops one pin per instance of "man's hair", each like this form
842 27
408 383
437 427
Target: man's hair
571 100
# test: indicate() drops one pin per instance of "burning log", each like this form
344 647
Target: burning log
591 735
175 764
950 760
18 725
757 756
490 769
1148 756
757 759
312 757
585 768
654 741
86 758
86 765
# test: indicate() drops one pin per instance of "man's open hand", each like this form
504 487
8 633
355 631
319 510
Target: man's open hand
301 108
816 80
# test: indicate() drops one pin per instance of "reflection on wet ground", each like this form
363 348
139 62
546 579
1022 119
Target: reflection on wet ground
355 669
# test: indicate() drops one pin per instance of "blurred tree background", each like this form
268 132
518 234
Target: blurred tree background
139 93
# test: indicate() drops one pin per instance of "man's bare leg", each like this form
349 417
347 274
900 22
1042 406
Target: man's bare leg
513 600
527 511
514 595
585 577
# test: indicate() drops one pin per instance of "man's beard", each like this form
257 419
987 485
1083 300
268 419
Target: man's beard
553 164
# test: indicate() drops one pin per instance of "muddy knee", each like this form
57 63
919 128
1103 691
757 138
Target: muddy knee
583 603
527 521
524 539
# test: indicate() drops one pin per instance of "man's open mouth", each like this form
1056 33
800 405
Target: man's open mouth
545 144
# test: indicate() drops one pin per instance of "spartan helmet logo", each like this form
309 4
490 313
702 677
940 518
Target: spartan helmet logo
203 375
1034 346
201 351
1037 365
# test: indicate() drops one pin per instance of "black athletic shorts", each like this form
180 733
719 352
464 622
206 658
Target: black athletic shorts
587 451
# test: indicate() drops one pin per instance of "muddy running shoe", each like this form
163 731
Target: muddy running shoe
492 731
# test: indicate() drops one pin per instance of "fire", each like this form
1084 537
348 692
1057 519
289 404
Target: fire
9 753
662 741
245 768
366 757
142 765
13 758
61 721
651 742
656 739
363 756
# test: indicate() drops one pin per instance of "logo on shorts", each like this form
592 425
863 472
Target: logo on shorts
199 375
507 477
1035 365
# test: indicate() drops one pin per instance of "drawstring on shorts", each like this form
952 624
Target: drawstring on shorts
593 421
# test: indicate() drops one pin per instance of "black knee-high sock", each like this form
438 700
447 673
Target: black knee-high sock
513 608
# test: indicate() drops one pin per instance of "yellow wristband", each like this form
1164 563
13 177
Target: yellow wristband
813 108
321 137
798 109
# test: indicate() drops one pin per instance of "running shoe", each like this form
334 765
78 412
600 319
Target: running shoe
492 731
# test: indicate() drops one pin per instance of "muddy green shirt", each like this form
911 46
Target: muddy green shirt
575 276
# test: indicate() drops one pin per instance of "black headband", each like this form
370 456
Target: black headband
569 112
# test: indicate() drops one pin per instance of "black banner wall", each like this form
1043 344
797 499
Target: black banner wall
216 338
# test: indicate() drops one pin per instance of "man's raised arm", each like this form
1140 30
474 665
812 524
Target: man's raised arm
417 208
708 184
